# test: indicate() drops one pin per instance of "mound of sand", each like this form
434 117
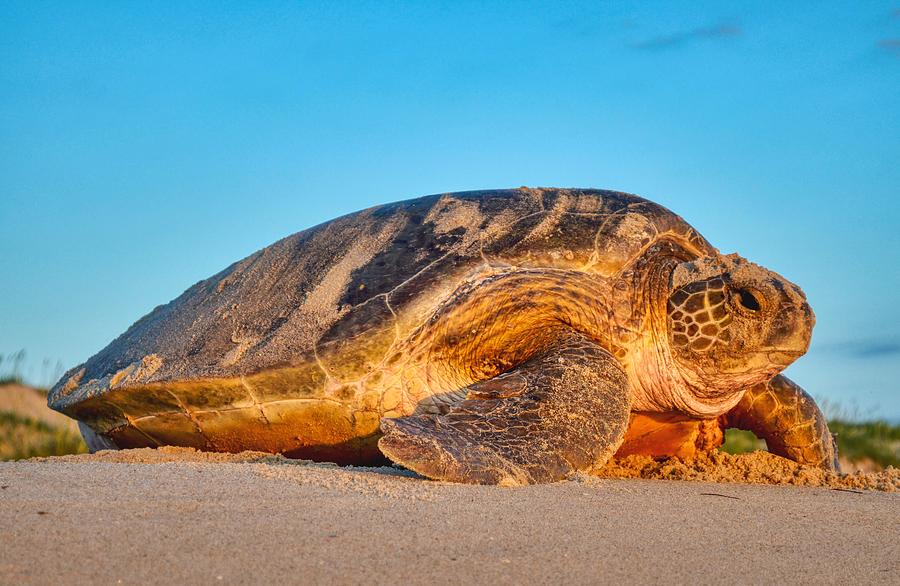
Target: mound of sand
169 454
752 468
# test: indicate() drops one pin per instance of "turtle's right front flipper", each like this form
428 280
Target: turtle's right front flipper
564 410
784 415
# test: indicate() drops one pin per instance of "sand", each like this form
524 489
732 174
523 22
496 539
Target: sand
249 518
754 468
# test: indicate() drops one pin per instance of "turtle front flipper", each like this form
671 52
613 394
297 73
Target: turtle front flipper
563 410
784 415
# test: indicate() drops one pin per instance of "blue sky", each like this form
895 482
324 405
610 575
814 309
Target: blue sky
145 146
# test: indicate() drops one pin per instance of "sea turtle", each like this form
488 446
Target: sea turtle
504 336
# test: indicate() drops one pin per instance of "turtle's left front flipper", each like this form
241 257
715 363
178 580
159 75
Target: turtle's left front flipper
784 415
564 410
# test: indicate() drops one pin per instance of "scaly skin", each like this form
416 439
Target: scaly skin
663 435
561 411
778 411
784 415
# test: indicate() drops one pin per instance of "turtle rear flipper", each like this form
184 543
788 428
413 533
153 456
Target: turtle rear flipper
784 415
563 410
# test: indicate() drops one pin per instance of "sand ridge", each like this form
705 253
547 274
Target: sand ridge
753 468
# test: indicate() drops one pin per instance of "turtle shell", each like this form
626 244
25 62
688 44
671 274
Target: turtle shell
366 276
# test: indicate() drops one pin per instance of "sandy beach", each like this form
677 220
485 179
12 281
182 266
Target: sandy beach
256 519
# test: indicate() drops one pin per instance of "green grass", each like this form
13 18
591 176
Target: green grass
22 437
11 367
872 440
877 441
738 441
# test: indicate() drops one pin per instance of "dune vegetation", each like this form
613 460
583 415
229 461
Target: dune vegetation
875 441
23 437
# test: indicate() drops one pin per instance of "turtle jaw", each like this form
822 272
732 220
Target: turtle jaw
785 357
791 333
767 362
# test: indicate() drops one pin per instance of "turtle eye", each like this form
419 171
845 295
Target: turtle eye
748 300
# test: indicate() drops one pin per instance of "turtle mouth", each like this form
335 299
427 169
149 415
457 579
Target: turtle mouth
770 361
784 356
775 351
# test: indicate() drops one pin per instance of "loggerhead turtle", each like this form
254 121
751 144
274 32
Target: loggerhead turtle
504 336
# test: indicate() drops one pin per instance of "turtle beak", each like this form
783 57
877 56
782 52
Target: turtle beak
791 331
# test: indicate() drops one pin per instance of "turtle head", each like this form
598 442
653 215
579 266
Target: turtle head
732 323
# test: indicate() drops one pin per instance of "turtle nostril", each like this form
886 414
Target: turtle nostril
749 300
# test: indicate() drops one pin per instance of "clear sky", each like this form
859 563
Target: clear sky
145 146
